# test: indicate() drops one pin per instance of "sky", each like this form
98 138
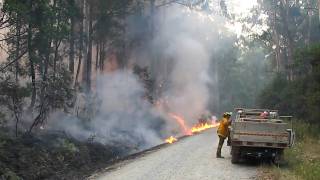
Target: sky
241 9
241 6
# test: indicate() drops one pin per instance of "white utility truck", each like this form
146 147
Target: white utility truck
260 133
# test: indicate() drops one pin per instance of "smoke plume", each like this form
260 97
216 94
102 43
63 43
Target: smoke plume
187 40
179 55
122 114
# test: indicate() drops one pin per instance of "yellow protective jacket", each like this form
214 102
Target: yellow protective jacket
223 129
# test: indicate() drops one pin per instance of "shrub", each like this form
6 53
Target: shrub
301 96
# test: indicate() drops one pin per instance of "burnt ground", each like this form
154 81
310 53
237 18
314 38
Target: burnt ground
53 155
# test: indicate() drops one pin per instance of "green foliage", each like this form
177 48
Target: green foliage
107 15
308 61
300 165
12 97
9 88
68 146
145 78
301 96
37 29
58 90
240 79
305 130
2 119
302 160
291 25
7 174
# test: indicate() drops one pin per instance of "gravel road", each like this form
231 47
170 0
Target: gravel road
190 158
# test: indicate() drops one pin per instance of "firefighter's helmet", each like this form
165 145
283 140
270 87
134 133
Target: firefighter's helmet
227 114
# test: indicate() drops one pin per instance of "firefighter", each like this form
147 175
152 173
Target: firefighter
223 131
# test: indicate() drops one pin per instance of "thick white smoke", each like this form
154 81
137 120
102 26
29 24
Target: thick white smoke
188 39
122 114
188 92
179 55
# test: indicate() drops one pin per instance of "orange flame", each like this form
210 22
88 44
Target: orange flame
187 131
201 127
171 140
182 124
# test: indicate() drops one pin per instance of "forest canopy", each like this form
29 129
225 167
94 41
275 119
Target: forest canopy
85 79
66 60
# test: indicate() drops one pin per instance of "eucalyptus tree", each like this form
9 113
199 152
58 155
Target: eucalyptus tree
36 32
292 24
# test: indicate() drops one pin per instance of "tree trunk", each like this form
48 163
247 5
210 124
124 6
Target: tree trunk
46 62
57 43
319 9
55 59
154 60
17 49
48 52
97 56
81 46
152 14
16 112
89 56
309 19
31 61
278 59
72 39
102 56
284 10
86 45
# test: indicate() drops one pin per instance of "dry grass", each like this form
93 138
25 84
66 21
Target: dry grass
303 160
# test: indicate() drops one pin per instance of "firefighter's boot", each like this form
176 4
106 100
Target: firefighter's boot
219 152
228 142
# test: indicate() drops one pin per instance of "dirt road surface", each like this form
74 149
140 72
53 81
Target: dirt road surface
191 158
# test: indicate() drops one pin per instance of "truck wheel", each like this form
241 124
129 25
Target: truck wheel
235 154
279 159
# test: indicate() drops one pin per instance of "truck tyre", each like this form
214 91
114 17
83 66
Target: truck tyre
235 154
279 159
